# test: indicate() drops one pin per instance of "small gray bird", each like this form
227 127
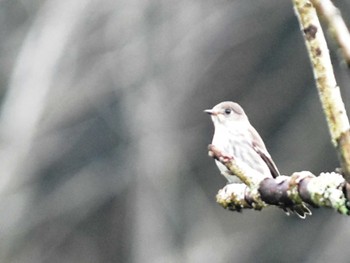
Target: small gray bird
236 137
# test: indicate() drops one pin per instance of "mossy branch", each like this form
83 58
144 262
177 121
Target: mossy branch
326 190
328 89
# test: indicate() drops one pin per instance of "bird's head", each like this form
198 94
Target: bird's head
227 113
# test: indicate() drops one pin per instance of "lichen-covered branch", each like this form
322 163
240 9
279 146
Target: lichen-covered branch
328 89
326 190
287 192
336 26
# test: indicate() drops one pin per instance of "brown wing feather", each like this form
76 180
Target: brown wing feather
260 148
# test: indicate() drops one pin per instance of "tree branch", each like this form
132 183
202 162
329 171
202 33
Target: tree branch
327 190
328 89
336 26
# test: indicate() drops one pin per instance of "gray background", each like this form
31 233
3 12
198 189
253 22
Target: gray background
104 141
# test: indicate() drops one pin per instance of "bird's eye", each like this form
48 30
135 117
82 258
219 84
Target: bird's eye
227 111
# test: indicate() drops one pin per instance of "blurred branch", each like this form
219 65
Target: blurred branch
287 192
336 25
328 89
26 98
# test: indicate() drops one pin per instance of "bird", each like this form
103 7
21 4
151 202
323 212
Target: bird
234 136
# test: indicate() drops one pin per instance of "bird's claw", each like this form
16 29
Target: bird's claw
217 154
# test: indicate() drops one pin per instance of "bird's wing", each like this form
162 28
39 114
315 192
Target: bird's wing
260 148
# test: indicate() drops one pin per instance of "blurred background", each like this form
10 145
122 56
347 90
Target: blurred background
104 141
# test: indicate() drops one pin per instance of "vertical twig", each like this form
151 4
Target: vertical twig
328 89
336 26
26 99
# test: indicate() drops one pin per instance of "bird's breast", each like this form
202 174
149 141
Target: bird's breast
238 144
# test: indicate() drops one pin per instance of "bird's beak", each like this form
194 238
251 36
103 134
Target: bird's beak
211 112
